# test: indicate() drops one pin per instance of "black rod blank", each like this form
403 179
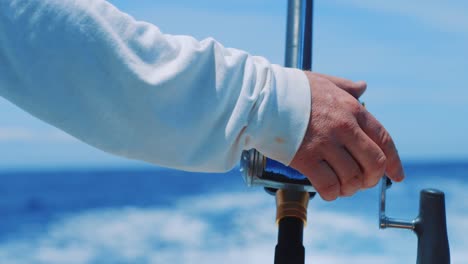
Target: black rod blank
308 36
289 249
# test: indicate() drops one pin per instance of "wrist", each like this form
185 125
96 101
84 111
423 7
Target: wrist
283 117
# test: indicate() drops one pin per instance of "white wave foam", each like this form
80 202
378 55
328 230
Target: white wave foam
220 228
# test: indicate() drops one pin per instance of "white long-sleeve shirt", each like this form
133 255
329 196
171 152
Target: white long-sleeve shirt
126 88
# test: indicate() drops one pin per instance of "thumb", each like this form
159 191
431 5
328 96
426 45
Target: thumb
356 89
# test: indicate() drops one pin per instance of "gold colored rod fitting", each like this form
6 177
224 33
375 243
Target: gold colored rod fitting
290 203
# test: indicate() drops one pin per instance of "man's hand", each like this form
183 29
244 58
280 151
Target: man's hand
345 148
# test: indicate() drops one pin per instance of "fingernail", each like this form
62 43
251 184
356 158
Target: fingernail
401 176
361 83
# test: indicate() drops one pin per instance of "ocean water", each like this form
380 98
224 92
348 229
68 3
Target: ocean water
167 216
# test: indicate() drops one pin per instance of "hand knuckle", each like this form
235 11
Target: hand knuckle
380 163
355 181
356 173
356 108
374 173
385 138
351 186
346 125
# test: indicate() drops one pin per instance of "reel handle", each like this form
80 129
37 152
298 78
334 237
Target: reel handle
430 226
431 229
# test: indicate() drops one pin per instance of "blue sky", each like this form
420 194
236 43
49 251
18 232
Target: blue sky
414 56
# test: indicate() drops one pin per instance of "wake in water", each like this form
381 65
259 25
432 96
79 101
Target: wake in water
209 222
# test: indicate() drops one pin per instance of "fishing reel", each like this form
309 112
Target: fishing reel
292 191
259 170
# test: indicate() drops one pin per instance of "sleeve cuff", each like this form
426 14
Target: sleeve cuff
284 118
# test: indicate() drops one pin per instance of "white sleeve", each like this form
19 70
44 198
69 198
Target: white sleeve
126 88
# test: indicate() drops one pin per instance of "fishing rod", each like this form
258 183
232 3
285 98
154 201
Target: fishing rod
293 190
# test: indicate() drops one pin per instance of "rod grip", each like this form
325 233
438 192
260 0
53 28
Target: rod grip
289 249
431 229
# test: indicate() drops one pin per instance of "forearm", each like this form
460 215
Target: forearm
126 88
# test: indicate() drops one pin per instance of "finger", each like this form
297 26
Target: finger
382 138
367 153
347 169
324 180
356 89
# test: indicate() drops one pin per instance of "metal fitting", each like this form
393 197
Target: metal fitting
291 203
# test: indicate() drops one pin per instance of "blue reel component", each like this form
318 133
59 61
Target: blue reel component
275 167
259 170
